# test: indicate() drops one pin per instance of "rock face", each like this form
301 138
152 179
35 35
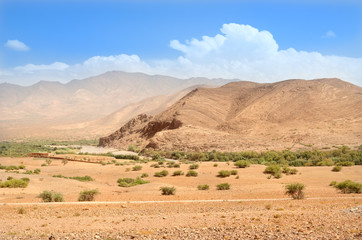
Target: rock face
247 115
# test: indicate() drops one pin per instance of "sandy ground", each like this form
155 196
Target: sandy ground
332 217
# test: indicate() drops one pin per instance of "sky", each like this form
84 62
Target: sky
259 40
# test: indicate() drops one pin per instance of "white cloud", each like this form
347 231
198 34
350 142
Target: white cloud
329 34
30 68
16 45
238 51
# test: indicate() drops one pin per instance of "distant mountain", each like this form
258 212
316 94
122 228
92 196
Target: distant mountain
247 115
51 109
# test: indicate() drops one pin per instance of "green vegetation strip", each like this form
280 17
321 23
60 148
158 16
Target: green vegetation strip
81 179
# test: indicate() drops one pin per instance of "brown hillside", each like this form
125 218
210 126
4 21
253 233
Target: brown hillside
80 108
246 115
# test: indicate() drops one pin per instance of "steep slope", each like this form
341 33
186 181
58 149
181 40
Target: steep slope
32 111
246 115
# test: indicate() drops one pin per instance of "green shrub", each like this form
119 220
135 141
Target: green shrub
163 173
130 182
203 187
168 190
333 183
295 190
194 166
28 172
178 173
137 168
9 178
215 165
224 173
87 195
78 178
144 175
345 164
51 196
15 183
191 173
127 156
242 164
273 170
223 186
289 171
21 167
349 186
337 168
234 172
37 171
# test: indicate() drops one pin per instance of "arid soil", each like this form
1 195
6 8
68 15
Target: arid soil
252 116
260 209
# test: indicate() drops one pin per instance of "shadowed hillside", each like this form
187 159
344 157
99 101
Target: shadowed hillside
246 115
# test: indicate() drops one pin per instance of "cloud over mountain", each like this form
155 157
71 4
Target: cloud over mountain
238 51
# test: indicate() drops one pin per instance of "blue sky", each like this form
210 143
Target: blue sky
41 33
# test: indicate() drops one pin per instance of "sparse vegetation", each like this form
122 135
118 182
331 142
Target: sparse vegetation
168 190
223 186
51 196
194 166
234 172
130 182
178 173
191 173
87 195
274 170
15 183
203 187
144 175
295 190
81 179
163 173
289 171
337 168
224 174
215 164
242 164
349 186
21 210
137 168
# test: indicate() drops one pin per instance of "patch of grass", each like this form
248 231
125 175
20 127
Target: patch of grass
163 173
192 173
224 174
78 178
215 165
168 190
223 186
234 172
337 168
15 183
51 196
130 182
349 186
178 173
203 187
295 190
194 166
144 175
21 210
137 168
242 164
289 171
87 195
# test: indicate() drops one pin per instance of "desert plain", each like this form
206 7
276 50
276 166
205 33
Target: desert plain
255 207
